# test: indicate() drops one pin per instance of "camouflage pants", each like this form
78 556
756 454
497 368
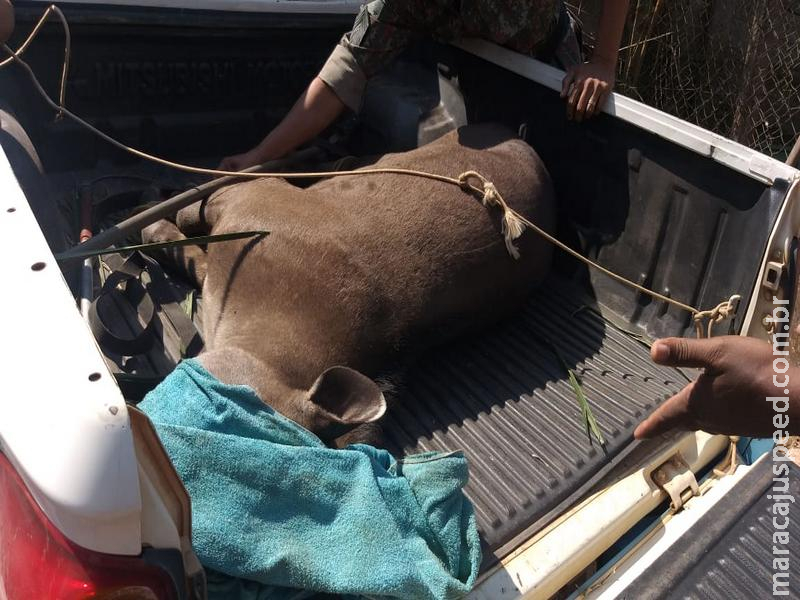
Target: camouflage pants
384 28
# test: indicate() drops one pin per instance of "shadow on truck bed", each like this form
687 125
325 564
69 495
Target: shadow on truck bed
655 213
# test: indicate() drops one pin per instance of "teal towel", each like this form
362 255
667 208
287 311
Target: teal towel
272 504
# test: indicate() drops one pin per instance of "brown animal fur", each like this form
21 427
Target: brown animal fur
358 270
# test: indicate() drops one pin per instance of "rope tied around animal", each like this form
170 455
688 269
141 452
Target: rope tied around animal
511 226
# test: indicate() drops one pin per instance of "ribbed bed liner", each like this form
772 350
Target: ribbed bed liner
729 552
505 400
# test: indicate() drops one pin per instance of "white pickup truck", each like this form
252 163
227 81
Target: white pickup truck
90 506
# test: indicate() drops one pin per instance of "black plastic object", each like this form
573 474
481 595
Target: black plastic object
127 272
728 553
504 398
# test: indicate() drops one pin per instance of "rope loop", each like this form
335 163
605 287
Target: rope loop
463 179
720 312
512 225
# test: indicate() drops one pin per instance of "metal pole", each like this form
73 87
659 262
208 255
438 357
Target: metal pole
169 207
793 155
87 272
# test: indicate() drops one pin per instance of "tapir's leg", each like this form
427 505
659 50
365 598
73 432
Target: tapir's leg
187 260
192 220
199 218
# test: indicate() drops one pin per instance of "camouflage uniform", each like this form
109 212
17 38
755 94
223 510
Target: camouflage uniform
384 28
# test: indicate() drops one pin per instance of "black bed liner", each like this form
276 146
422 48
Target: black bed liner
505 400
728 553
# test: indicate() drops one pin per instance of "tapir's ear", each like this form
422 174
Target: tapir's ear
347 397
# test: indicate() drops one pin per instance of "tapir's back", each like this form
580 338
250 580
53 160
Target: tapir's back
436 252
358 266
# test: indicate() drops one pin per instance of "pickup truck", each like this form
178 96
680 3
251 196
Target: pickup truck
90 504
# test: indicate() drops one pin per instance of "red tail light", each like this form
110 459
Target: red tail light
37 562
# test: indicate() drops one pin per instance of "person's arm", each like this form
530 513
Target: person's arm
380 33
588 85
742 390
313 112
6 20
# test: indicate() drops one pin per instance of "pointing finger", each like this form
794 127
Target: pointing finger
673 414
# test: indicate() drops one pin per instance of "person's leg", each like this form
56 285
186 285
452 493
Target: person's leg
569 50
6 20
407 105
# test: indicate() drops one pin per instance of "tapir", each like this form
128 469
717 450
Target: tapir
359 273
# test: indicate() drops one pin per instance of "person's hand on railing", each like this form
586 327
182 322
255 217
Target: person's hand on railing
587 87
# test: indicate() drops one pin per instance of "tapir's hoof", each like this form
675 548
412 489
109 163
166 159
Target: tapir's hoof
161 231
188 261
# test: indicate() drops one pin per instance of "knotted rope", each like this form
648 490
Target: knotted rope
719 313
512 226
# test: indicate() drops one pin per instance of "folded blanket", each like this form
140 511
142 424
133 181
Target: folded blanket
273 505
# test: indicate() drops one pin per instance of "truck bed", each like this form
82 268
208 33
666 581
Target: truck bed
656 213
504 398
729 552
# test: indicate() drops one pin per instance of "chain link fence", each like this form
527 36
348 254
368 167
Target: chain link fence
731 66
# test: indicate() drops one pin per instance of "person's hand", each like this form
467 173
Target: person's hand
587 87
729 397
239 162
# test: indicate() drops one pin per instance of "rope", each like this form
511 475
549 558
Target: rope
719 313
62 89
729 464
512 227
512 224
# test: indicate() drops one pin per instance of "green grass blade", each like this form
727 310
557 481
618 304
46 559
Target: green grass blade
586 411
74 253
590 423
